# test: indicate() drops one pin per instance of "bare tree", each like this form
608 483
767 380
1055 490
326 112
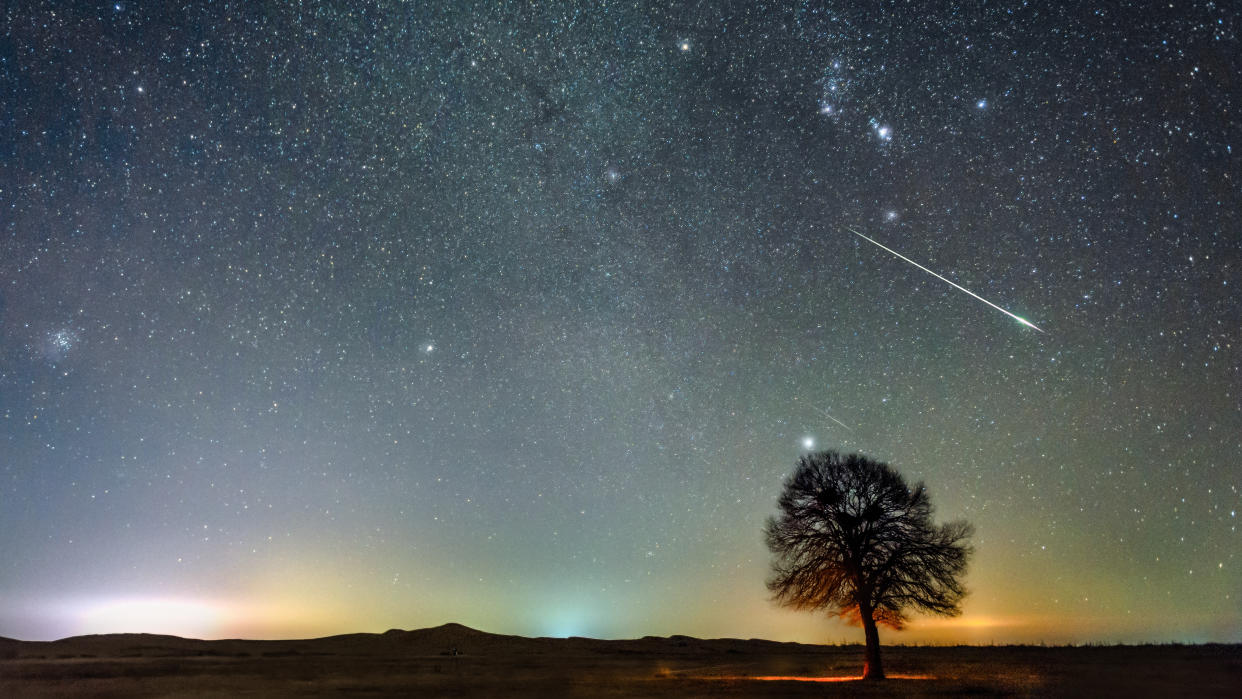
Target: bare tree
852 538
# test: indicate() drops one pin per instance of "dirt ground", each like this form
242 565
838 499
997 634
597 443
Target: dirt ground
362 666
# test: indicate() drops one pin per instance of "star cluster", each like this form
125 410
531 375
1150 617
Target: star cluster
346 316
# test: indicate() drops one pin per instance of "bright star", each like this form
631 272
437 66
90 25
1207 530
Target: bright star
808 442
882 131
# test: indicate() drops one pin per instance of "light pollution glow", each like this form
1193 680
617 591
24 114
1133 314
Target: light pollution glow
324 613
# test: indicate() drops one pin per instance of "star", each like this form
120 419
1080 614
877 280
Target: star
883 131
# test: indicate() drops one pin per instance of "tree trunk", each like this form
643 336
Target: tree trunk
873 670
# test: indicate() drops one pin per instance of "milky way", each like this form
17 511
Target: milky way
321 318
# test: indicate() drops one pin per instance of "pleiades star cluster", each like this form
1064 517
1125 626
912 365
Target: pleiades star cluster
343 316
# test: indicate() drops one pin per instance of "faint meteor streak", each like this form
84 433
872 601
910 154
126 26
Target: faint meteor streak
955 285
825 414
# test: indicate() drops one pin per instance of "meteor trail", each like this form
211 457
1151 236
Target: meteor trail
1020 319
825 414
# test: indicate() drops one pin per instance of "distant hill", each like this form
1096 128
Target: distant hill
447 639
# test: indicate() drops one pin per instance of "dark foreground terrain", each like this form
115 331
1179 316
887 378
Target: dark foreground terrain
423 664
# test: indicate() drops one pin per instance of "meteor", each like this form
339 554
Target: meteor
955 285
825 414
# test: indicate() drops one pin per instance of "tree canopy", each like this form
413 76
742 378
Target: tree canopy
854 539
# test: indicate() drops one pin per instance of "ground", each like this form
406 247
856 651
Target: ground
423 663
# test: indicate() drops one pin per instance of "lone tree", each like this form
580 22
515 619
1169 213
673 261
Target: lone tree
852 538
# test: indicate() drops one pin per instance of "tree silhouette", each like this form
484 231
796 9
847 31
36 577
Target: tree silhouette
852 538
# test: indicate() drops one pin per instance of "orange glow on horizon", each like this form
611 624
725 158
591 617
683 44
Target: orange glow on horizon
796 678
968 622
804 678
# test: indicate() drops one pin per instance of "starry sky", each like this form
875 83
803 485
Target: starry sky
344 316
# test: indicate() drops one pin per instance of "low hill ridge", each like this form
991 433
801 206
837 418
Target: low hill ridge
447 639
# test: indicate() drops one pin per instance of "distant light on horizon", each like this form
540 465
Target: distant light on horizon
189 618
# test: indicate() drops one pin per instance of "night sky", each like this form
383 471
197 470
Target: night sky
333 317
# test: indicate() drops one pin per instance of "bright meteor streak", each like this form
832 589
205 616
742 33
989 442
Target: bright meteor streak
1020 319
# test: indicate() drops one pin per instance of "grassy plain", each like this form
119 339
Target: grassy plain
423 664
